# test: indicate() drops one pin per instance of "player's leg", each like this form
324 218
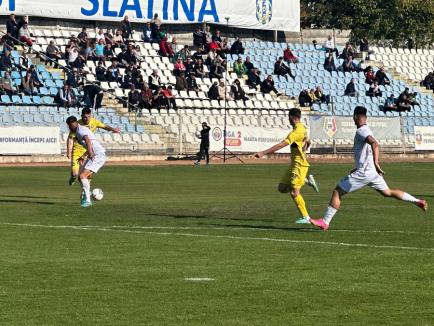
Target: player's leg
199 158
75 169
85 175
310 181
206 149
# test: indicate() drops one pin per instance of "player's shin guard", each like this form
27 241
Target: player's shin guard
301 205
85 185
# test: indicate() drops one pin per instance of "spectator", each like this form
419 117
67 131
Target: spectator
157 33
428 81
411 97
25 35
24 62
281 69
369 76
118 40
321 97
165 48
329 46
6 85
108 52
147 33
22 21
99 50
288 56
181 82
349 65
348 51
239 68
254 78
223 95
189 67
75 60
100 36
134 98
192 84
12 27
211 57
74 78
174 44
169 98
5 61
154 80
217 37
34 74
65 97
237 91
100 72
127 80
112 73
93 96
179 67
183 54
8 42
237 47
224 49
199 70
390 104
374 90
126 28
146 97
158 99
198 38
156 21
364 48
381 77
350 90
83 37
267 86
53 52
217 70
208 35
199 53
304 98
329 63
213 92
403 103
248 64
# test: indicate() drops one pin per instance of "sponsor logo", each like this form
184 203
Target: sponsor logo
217 134
264 11
330 127
419 138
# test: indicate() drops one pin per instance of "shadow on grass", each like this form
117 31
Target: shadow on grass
26 197
181 216
24 201
264 227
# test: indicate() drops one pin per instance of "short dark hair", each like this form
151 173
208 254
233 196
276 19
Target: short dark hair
86 111
294 112
71 119
360 110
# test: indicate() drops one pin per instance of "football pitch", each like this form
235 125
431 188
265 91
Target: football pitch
184 245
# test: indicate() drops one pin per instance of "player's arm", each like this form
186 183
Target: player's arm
69 145
89 147
376 153
306 145
111 129
273 149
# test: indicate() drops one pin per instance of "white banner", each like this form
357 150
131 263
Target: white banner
281 15
424 138
247 139
29 140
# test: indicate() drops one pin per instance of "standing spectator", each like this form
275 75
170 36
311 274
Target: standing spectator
169 98
364 48
248 64
12 26
204 144
281 69
198 38
237 47
374 90
329 63
350 90
381 77
239 68
126 28
319 94
181 82
146 97
154 80
288 56
156 21
147 33
329 46
208 35
25 35
390 104
254 78
237 91
100 72
165 48
267 86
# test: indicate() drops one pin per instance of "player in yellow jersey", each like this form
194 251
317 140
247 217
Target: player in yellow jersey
77 153
296 176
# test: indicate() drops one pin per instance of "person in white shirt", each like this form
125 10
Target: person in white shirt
367 172
329 46
95 153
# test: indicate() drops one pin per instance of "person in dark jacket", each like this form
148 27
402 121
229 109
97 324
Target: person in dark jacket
213 92
329 63
381 77
204 144
267 86
350 90
12 26
237 47
126 28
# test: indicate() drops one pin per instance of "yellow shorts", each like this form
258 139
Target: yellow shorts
295 176
77 157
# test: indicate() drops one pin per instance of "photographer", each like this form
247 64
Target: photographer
204 144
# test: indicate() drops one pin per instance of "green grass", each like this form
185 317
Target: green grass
219 222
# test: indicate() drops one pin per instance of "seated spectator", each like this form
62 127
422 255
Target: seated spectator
158 97
350 90
217 37
100 72
174 44
403 103
89 51
118 40
127 80
349 65
75 60
146 97
8 42
192 84
112 73
99 50
213 92
126 28
6 61
147 33
411 97
374 90
313 97
304 98
211 57
347 51
329 63
24 62
329 46
12 27
134 98
34 74
198 38
390 104
183 54
181 82
224 49
223 95
83 37
428 81
237 92
74 78
281 69
381 77
6 85
157 33
369 76
267 86
237 47
53 52
100 36
169 98
321 97
25 36
189 67
27 86
154 80
288 56
239 68
108 52
208 36
165 48
217 70
65 97
179 67
199 70
254 78
248 64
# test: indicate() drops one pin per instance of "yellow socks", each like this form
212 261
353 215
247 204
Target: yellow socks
301 205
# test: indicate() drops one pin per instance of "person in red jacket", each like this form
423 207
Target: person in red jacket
288 56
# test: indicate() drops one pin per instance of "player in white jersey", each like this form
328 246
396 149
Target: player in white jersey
95 157
367 172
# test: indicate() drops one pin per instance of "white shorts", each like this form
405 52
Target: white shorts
96 163
359 179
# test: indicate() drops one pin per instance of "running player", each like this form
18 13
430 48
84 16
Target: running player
75 152
295 177
367 172
95 157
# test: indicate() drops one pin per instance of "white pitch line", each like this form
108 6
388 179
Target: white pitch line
199 279
210 236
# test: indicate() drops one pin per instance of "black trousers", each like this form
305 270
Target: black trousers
204 153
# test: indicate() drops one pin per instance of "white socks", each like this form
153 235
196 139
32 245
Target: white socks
85 185
410 198
329 214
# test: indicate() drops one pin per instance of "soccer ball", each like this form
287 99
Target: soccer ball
97 194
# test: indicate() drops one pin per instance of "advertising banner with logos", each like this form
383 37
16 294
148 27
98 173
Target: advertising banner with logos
281 15
424 138
29 140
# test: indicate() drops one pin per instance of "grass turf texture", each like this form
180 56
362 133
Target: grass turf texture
210 222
